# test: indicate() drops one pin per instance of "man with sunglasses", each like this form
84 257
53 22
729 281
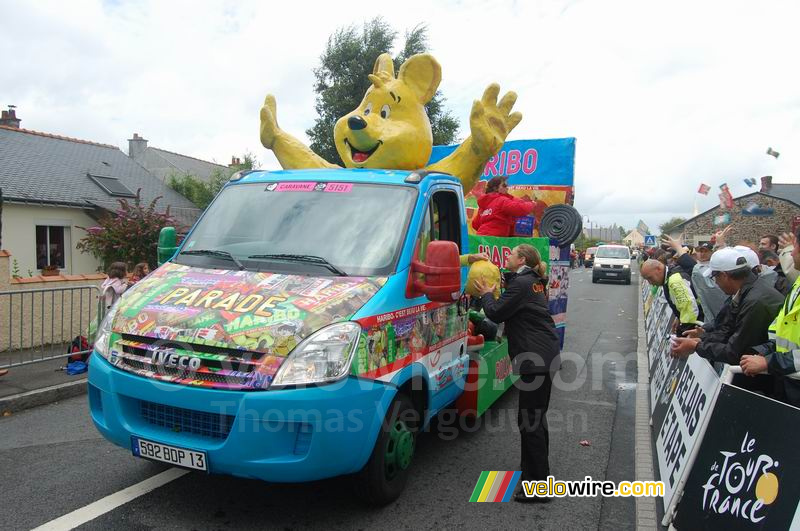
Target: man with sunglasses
752 307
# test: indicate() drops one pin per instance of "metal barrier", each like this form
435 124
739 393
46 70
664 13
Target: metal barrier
39 324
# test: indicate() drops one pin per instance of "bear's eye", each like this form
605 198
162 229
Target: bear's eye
368 109
385 111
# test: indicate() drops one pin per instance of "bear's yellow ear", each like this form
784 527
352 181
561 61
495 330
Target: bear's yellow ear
422 74
385 65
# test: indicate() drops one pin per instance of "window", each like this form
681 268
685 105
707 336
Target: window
360 231
112 186
613 252
442 221
50 248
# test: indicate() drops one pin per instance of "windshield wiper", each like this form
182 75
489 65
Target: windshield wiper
309 258
217 253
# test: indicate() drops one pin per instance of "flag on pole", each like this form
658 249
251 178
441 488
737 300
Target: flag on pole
704 189
773 153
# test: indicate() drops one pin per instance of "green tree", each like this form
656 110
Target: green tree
128 235
202 192
584 243
670 224
341 81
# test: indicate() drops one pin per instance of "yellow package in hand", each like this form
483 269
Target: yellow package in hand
485 272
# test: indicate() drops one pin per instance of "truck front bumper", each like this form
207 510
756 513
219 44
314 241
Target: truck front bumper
288 435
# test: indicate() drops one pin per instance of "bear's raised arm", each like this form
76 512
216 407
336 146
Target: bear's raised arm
290 152
490 123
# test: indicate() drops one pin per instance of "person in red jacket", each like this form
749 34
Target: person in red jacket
498 209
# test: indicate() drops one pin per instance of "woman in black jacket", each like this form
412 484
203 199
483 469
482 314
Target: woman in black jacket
534 349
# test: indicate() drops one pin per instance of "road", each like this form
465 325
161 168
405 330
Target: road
54 462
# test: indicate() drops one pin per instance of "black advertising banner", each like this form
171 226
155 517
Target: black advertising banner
747 467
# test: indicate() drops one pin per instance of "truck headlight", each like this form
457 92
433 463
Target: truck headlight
324 356
596 265
626 266
102 343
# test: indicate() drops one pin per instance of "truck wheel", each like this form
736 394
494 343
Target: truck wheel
383 478
594 280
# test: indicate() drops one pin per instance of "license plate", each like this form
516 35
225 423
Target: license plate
611 274
169 454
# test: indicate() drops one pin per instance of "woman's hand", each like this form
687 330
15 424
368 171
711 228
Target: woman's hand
483 289
477 257
785 240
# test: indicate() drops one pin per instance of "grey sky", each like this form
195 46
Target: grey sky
661 96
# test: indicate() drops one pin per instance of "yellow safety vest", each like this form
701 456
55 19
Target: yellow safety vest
785 329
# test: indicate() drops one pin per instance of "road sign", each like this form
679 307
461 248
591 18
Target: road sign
650 240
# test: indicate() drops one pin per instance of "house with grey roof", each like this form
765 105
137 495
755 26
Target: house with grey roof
54 185
163 163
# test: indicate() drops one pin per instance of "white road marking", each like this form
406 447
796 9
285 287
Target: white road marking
80 516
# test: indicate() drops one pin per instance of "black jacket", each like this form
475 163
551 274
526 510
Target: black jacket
744 324
782 283
532 340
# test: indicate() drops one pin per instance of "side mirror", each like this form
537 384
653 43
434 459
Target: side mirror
167 244
441 273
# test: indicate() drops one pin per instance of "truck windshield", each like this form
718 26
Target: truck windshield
358 230
613 252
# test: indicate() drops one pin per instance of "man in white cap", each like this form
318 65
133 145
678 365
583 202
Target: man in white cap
753 306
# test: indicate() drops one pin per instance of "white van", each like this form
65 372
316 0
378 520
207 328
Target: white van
612 262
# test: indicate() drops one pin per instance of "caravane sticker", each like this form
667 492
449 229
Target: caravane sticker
295 187
336 188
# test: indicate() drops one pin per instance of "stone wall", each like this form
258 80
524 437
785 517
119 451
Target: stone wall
749 228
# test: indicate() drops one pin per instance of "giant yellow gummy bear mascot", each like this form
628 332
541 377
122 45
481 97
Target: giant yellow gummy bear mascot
390 129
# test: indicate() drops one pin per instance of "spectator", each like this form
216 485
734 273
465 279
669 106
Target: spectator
780 355
498 210
141 270
581 255
534 349
678 292
115 285
771 262
753 306
768 242
755 264
711 297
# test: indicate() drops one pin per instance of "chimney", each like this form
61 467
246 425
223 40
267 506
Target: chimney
766 184
9 118
234 162
136 145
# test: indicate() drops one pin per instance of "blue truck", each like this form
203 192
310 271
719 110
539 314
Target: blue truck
309 325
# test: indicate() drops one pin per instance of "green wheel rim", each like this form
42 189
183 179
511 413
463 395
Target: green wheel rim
399 450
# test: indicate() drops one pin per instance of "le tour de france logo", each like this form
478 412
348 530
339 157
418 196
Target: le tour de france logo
742 483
